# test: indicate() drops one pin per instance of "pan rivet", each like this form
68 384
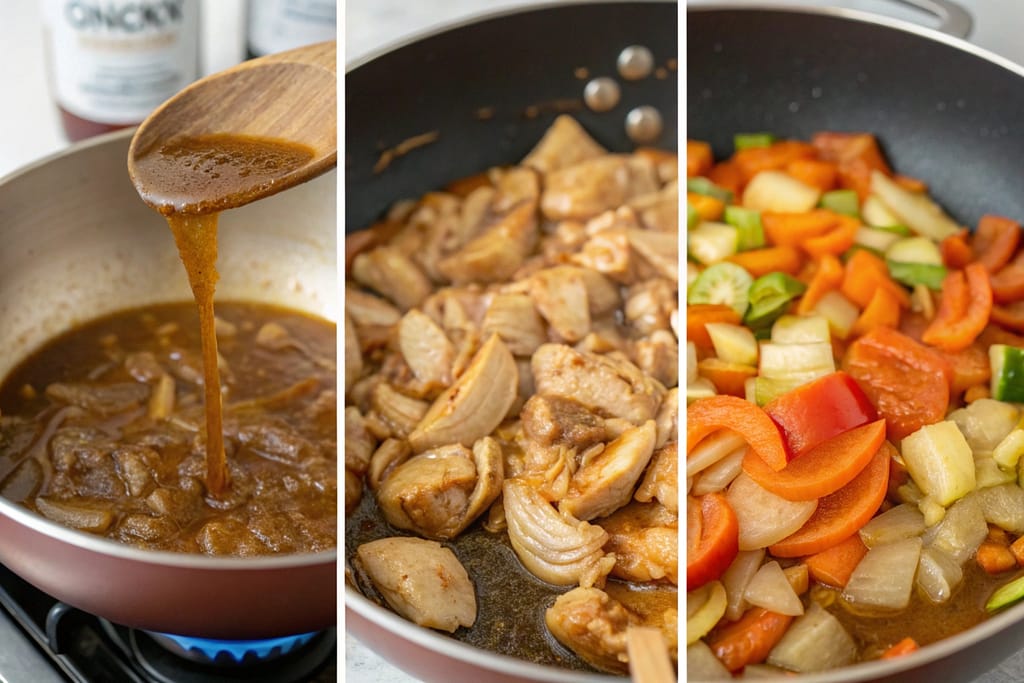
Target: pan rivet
601 94
643 124
635 62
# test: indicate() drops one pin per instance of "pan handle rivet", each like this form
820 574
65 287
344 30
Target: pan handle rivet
601 94
635 62
643 124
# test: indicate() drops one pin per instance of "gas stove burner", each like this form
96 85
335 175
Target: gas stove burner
227 652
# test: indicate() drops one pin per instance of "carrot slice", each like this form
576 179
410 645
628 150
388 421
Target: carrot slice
749 640
699 315
841 514
882 311
856 155
910 183
728 378
904 647
760 262
776 156
753 424
907 382
813 172
957 252
708 208
712 538
995 558
698 158
864 273
824 469
1010 316
827 277
793 229
727 174
995 241
835 241
833 566
964 310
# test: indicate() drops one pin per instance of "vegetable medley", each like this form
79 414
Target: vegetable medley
854 382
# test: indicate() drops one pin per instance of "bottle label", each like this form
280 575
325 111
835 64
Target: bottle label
277 25
115 61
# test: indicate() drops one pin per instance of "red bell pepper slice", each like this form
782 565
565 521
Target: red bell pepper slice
815 412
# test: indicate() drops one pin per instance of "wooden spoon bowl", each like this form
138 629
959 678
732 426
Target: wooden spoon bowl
241 134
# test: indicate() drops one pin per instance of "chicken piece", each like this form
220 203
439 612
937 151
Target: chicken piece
553 546
667 418
389 272
473 406
495 254
605 482
353 491
102 399
658 356
661 480
593 625
439 493
514 186
359 442
649 305
564 144
645 540
553 419
561 297
593 186
390 454
514 318
421 580
659 249
608 384
607 253
353 354
143 366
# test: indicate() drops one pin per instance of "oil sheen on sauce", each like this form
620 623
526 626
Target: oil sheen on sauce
189 180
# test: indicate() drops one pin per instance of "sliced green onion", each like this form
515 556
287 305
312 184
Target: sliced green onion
749 140
1006 595
701 185
770 296
913 274
748 223
841 201
692 216
722 283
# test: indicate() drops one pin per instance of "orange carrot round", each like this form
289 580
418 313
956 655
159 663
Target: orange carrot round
749 640
712 538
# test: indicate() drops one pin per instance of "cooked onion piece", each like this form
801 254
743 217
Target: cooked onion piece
554 546
473 406
425 348
421 580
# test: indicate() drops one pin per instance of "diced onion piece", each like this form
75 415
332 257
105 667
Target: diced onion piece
778 191
885 575
716 477
914 250
736 578
875 239
985 423
733 343
711 449
711 242
691 362
987 473
800 329
1008 452
770 589
940 461
703 665
938 574
1003 506
765 518
700 388
962 529
902 521
704 608
840 312
815 641
783 360
873 212
917 211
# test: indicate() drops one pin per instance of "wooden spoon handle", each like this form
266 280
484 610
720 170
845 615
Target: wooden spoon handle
648 656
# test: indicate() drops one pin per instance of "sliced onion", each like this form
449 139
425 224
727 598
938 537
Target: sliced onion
938 574
815 641
765 518
885 576
711 449
902 521
1004 507
736 578
703 665
716 477
962 529
771 590
704 608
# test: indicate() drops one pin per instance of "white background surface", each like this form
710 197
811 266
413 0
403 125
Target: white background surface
30 127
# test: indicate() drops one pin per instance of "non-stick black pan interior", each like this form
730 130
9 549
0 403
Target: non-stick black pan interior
475 86
943 113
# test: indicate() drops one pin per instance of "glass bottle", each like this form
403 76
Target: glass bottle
278 25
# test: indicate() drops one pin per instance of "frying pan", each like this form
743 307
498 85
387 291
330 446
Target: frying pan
79 243
503 64
945 111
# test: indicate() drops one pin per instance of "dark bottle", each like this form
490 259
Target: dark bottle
113 61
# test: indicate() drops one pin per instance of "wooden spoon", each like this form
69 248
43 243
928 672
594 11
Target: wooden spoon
649 661
241 134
